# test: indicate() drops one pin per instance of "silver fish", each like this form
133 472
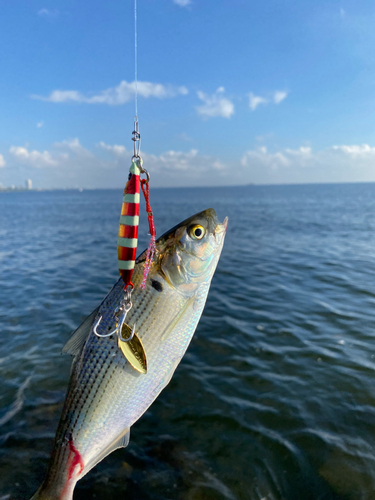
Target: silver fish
106 395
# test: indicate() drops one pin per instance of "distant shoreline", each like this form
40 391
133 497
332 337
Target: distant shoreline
20 190
34 190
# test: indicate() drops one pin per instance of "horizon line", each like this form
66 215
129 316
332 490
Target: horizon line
250 184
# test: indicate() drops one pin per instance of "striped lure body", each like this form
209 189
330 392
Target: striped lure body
129 221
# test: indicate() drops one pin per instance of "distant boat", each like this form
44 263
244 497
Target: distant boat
80 190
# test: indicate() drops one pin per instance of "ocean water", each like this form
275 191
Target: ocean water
275 397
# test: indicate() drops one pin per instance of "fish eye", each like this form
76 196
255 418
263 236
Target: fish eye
197 232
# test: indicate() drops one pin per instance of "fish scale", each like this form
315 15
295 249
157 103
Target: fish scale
105 394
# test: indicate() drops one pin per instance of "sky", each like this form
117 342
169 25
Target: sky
230 92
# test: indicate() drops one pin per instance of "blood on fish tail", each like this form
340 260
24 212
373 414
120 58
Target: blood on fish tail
74 460
77 459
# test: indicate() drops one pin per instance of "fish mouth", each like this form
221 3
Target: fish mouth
222 228
220 231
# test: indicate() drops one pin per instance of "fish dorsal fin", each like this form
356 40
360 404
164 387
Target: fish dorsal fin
122 442
79 336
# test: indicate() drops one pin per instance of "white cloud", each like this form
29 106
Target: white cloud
279 96
61 96
255 100
48 13
116 149
301 152
184 137
66 164
174 160
284 158
357 151
73 146
61 155
182 3
33 158
115 96
262 156
2 161
69 164
265 137
39 124
215 104
344 163
172 168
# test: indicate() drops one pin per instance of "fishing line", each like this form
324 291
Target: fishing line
135 62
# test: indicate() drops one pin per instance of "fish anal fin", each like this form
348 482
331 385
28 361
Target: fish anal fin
79 336
122 442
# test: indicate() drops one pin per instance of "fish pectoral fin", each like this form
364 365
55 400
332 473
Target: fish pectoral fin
122 442
79 336
186 309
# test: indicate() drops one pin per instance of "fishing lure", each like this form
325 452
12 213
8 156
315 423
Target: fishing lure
127 242
129 220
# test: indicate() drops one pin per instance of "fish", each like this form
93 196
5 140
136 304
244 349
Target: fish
106 395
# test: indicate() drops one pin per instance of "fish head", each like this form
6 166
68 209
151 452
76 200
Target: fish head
189 252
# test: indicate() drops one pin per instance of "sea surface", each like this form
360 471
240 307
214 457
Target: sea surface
275 397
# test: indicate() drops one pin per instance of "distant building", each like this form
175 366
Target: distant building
29 184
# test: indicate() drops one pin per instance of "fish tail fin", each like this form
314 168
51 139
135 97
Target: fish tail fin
46 494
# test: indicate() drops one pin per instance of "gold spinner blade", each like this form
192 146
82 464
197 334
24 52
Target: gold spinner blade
132 349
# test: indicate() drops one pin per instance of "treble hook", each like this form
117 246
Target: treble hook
124 309
99 334
131 335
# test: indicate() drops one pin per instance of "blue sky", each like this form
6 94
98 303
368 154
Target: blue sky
230 92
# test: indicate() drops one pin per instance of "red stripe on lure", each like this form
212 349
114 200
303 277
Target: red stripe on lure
128 231
127 254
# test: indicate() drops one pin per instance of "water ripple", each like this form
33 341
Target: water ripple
275 397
